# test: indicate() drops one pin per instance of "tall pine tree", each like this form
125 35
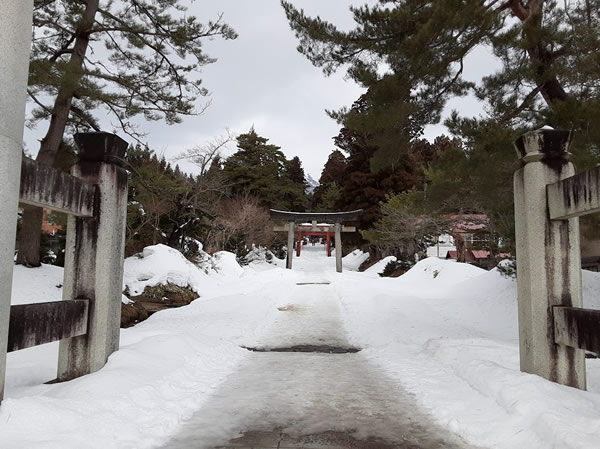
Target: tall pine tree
260 169
139 57
547 51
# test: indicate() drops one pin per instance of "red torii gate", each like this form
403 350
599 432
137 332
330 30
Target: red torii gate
315 223
324 230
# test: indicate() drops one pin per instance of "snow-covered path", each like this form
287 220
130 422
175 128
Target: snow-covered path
310 393
439 356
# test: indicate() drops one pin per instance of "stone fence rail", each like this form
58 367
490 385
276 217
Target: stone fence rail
87 321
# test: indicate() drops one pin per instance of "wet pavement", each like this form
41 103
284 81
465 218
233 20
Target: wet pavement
311 400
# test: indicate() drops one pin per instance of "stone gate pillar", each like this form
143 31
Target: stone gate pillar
94 255
548 259
338 247
15 40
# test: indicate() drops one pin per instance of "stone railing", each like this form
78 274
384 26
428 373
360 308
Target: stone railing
87 321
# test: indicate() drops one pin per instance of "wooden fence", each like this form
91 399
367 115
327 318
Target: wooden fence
554 328
87 321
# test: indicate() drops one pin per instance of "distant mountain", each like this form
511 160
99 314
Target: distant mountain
312 184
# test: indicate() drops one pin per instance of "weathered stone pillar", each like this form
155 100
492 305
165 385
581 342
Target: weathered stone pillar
338 247
548 259
15 42
94 255
290 245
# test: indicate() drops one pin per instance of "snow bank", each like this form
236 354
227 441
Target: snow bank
160 264
42 284
433 276
226 264
445 331
165 369
449 333
353 260
591 289
377 268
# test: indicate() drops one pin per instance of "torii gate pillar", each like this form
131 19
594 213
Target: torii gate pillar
290 245
315 229
338 247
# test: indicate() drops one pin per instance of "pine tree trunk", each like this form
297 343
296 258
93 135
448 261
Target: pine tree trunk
552 90
30 235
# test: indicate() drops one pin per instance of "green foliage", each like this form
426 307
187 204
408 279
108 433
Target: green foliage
420 45
395 268
132 58
363 188
547 50
388 117
476 177
166 205
333 171
294 171
260 169
406 226
330 199
410 57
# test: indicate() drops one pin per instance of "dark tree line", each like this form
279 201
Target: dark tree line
223 207
410 56
129 59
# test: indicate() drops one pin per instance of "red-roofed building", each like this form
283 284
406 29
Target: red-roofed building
470 234
452 255
48 227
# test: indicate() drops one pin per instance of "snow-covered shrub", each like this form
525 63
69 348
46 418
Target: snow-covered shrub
508 268
257 254
395 268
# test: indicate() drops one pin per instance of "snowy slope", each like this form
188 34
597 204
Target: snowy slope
378 267
447 332
455 346
165 369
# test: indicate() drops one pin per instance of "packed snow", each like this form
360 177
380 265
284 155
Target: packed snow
160 264
377 268
354 260
442 337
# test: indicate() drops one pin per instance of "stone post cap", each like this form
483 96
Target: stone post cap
101 147
544 144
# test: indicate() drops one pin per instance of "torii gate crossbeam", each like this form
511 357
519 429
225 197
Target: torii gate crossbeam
336 218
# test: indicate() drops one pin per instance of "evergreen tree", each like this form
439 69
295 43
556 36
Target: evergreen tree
130 58
152 193
168 206
330 199
547 50
294 171
415 52
259 169
333 172
363 188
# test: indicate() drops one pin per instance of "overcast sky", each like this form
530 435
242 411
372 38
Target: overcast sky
260 79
